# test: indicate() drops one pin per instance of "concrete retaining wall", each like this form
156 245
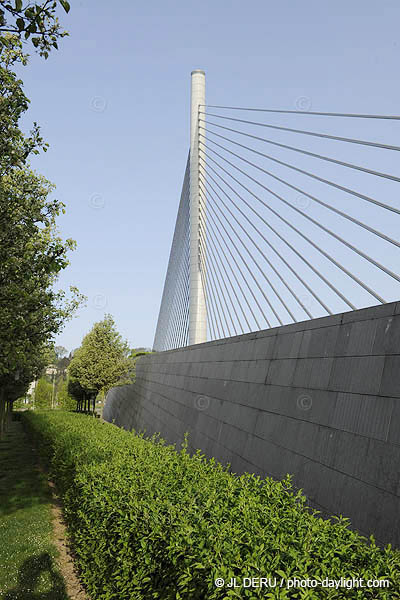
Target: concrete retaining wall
318 399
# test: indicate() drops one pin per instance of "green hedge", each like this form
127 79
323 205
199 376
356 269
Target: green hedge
147 521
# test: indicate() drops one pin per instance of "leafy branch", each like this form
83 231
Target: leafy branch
37 21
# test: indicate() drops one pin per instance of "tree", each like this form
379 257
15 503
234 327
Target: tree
43 394
102 360
65 400
26 19
61 352
31 256
31 252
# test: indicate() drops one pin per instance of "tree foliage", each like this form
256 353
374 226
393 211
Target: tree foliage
31 256
102 360
36 21
43 394
65 400
32 253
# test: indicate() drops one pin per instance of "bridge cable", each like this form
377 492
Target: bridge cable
212 224
250 272
211 250
327 181
209 176
211 263
282 238
304 132
248 251
362 284
321 202
265 239
330 232
302 112
210 305
216 263
217 289
333 160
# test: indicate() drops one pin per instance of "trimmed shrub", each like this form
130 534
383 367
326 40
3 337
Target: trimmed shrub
147 521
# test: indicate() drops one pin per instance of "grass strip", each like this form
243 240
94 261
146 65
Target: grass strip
28 569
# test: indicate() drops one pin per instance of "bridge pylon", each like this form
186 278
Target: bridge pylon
197 301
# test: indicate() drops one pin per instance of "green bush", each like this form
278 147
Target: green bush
64 399
147 521
43 394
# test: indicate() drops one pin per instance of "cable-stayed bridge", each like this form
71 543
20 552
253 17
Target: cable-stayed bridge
285 215
278 337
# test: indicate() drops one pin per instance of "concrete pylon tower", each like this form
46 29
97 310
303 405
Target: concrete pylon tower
197 303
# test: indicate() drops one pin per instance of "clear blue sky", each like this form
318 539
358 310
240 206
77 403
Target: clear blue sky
113 103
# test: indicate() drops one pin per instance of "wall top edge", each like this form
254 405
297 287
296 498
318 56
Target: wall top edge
369 312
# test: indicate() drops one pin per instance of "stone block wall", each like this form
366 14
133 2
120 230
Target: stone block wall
318 399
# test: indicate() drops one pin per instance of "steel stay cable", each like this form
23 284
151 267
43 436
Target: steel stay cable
211 327
332 160
183 339
210 239
187 294
245 264
321 202
175 308
308 217
220 261
214 276
362 284
250 254
210 262
302 112
184 276
210 289
256 245
314 269
204 207
216 263
176 301
208 313
267 241
180 288
211 225
250 271
324 306
302 131
216 288
213 303
312 175
164 324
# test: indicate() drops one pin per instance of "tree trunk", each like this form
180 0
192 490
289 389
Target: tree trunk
2 412
9 414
